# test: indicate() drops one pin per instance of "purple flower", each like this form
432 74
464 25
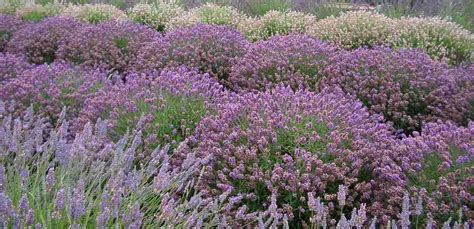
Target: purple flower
77 201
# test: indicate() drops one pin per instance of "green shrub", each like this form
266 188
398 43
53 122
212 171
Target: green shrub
276 23
36 12
440 38
208 14
261 7
355 29
154 15
94 13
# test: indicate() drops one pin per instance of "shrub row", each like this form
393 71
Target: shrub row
290 131
406 86
440 38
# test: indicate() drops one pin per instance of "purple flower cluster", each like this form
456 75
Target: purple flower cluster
39 41
109 45
12 65
51 87
294 60
406 86
211 49
8 25
167 105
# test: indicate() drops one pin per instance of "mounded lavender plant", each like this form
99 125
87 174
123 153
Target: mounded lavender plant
109 45
295 60
8 25
168 104
39 41
271 149
406 86
48 88
211 49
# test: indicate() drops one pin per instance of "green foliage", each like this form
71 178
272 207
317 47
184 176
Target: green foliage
261 7
322 11
95 17
34 16
173 121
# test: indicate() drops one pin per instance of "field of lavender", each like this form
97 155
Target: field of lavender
156 116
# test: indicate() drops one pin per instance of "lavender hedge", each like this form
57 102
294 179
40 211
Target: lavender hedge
48 88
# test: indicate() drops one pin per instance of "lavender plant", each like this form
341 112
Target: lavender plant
8 25
156 15
169 104
270 149
276 23
294 60
355 29
109 45
37 12
48 88
439 38
40 41
94 13
208 13
441 166
211 49
406 86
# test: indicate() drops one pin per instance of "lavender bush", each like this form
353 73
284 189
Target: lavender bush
156 15
276 23
283 144
406 86
441 39
208 13
48 88
356 29
8 25
209 48
294 60
169 105
40 41
109 45
94 13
